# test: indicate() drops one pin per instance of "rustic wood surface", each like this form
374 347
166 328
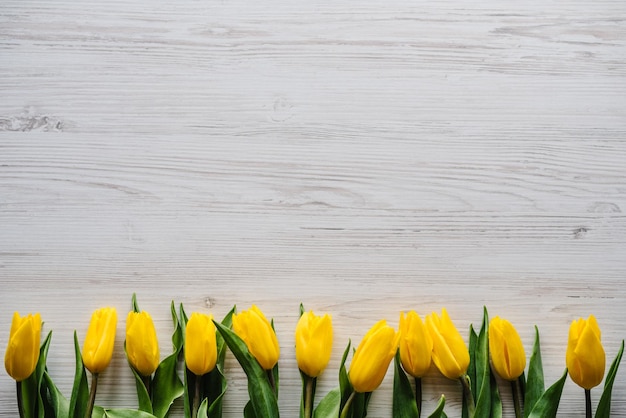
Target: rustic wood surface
363 158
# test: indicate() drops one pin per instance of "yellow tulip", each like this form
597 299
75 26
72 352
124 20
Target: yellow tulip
98 346
585 356
200 344
257 332
314 341
416 344
450 353
507 352
142 346
22 352
372 357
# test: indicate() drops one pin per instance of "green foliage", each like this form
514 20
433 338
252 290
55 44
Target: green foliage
604 406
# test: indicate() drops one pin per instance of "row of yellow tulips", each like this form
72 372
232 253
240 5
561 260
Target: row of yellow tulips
417 343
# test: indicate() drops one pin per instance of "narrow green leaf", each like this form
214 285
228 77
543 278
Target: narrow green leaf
483 370
248 411
40 369
134 305
221 346
59 403
344 382
535 383
438 412
80 388
203 409
404 404
496 401
166 385
214 388
262 396
471 370
604 406
143 397
360 404
126 413
547 405
329 405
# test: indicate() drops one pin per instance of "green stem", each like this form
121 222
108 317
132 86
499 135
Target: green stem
515 389
92 395
418 395
20 402
467 395
588 403
308 397
346 407
196 397
147 383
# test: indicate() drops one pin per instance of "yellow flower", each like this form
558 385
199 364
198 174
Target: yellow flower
314 341
416 345
98 346
200 344
450 353
257 332
372 357
142 346
585 357
507 352
22 352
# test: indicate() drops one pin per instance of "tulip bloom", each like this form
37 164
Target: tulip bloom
200 344
585 357
416 345
22 352
450 353
372 357
314 341
257 332
507 352
142 347
98 346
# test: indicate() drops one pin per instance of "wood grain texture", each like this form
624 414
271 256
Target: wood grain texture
360 157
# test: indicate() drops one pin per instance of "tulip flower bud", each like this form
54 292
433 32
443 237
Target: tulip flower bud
372 357
585 356
450 353
142 346
98 346
507 352
200 344
416 345
257 332
314 341
22 352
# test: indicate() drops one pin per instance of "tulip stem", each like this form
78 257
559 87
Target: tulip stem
308 397
467 395
516 398
346 407
92 395
20 403
196 396
418 395
588 403
147 383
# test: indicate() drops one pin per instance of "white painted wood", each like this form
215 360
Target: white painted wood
361 157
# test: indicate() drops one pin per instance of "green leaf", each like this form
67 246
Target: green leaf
471 370
496 401
202 409
404 403
134 305
305 380
221 345
166 385
535 383
248 410
604 406
345 386
438 412
38 374
215 385
262 395
329 405
80 388
360 403
60 404
126 413
547 405
483 370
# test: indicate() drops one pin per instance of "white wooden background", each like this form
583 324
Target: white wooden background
362 157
